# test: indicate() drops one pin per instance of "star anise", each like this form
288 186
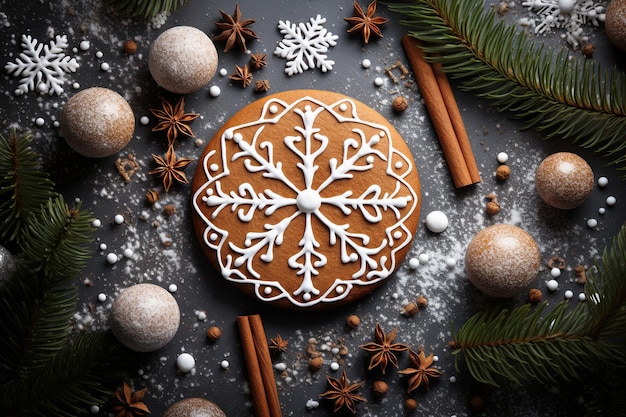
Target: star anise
421 371
234 30
242 75
173 120
343 393
366 22
170 168
258 60
278 345
129 403
383 349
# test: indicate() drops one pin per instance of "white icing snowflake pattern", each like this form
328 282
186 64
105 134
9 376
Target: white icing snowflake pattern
305 45
296 198
45 71
569 15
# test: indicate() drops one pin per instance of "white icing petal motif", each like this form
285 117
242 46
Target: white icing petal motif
45 71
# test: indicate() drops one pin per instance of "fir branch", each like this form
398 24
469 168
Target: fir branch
97 363
23 185
145 8
559 96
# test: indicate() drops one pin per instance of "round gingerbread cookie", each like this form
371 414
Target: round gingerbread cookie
306 199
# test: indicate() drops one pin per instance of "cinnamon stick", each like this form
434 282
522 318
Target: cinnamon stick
259 366
444 114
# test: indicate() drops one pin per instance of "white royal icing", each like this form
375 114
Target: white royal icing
310 202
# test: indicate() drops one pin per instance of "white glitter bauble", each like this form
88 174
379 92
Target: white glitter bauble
182 59
97 122
144 317
194 407
7 264
502 260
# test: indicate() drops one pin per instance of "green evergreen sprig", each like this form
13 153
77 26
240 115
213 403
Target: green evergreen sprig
145 8
45 369
560 96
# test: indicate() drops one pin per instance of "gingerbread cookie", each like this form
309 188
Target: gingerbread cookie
306 199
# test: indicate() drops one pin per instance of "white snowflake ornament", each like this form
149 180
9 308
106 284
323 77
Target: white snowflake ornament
42 67
305 45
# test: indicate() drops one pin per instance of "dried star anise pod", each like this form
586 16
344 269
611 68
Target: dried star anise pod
343 393
366 22
170 168
234 30
242 75
129 403
173 120
278 345
383 349
258 60
421 370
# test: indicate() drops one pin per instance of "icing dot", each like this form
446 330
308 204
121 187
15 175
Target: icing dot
502 157
306 297
128 252
582 296
105 66
307 108
308 201
273 109
39 121
237 137
378 81
414 263
552 285
399 165
96 223
334 366
555 272
343 107
267 290
118 219
198 142
397 234
102 297
568 294
423 258
172 288
247 242
366 63
84 45
436 221
370 159
591 223
213 236
224 364
185 362
214 91
223 72
353 257
603 182
144 120
610 201
214 167
340 289
112 258
601 210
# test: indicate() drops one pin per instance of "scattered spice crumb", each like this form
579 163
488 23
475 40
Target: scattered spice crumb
534 295
129 47
556 262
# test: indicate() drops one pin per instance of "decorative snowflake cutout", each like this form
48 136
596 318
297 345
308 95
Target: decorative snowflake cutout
42 71
305 45
569 15
322 202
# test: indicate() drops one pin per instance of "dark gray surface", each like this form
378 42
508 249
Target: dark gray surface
452 298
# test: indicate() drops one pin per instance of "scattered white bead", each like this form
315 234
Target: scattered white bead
99 54
555 272
224 364
436 221
453 379
601 210
366 63
215 91
450 262
185 362
144 120
378 81
128 252
423 258
610 201
223 72
39 121
312 404
568 294
435 358
112 258
103 246
118 219
84 45
334 366
552 285
414 263
603 182
75 85
591 223
94 409
172 288
201 315
96 223
280 366
102 297
105 66
138 89
502 157
582 296
56 123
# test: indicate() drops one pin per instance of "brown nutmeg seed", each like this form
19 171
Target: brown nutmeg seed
152 197
169 209
380 388
421 301
534 295
492 207
410 309
400 104
503 172
315 364
130 47
353 321
213 333
410 404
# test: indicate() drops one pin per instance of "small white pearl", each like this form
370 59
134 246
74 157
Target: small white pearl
105 66
502 157
450 262
128 252
436 221
215 91
378 81
414 263
223 72
84 45
102 297
144 120
552 285
103 246
366 63
112 258
555 272
582 296
334 366
423 258
603 182
185 362
40 121
610 201
453 379
96 223
601 210
568 294
172 288
224 364
591 223
94 409
118 219
99 54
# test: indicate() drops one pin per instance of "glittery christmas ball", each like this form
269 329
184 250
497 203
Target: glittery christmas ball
502 260
194 407
615 23
7 264
182 59
564 180
144 317
97 122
